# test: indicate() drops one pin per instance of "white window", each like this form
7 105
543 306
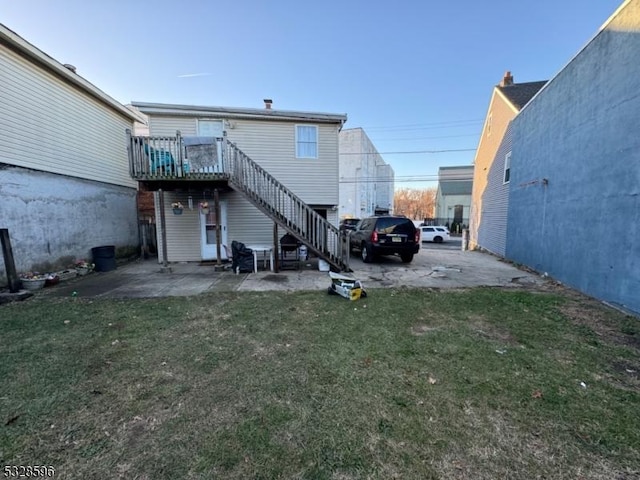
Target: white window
306 141
507 168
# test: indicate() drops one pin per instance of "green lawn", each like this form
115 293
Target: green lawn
406 384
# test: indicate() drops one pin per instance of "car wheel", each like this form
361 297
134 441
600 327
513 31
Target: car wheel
437 239
406 257
367 256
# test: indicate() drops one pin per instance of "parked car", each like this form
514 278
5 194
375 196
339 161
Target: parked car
347 224
436 234
385 235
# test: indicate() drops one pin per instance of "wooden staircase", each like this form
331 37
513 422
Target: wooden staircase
162 163
285 208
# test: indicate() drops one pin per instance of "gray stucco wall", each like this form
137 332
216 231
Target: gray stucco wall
53 218
581 134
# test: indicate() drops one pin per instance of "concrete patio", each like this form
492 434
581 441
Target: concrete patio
433 267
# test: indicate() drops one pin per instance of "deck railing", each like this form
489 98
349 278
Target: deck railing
169 158
286 208
163 158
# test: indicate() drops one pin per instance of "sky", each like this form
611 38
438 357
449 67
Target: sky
416 75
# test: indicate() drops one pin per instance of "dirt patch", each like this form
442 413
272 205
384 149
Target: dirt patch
606 323
626 375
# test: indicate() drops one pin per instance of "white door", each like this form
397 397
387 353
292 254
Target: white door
208 224
212 128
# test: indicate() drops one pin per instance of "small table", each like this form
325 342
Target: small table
262 249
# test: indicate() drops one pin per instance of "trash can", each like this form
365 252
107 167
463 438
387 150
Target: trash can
104 258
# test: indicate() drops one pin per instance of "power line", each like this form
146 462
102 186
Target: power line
427 138
419 178
410 152
422 125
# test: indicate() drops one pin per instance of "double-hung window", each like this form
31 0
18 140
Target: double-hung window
507 168
306 141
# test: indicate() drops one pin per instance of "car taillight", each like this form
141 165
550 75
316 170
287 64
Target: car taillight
374 237
417 236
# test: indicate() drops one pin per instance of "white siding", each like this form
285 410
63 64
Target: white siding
51 126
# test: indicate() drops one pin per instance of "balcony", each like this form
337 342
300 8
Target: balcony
176 162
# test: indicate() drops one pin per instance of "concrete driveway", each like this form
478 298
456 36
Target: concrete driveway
435 266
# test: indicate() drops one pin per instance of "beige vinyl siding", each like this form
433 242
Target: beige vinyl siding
183 231
168 126
245 224
51 126
272 145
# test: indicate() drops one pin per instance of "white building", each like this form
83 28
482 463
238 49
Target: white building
366 181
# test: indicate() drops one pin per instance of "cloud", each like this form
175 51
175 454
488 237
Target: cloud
189 75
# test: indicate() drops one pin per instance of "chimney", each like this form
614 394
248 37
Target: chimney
507 79
267 103
70 67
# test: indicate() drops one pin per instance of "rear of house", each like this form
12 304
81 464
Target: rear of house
299 149
64 176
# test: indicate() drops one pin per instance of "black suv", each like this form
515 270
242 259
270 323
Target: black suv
386 235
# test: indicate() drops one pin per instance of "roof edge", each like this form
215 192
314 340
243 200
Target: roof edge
39 57
237 112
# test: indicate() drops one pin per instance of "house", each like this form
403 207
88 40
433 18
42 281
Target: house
267 168
366 181
490 197
574 193
453 196
65 185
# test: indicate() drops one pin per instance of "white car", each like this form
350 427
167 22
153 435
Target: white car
436 234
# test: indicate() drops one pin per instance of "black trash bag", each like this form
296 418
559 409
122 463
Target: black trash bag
242 258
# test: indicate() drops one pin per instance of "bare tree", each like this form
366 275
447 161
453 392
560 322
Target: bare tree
415 203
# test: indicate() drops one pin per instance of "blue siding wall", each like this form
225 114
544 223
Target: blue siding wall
492 230
574 207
